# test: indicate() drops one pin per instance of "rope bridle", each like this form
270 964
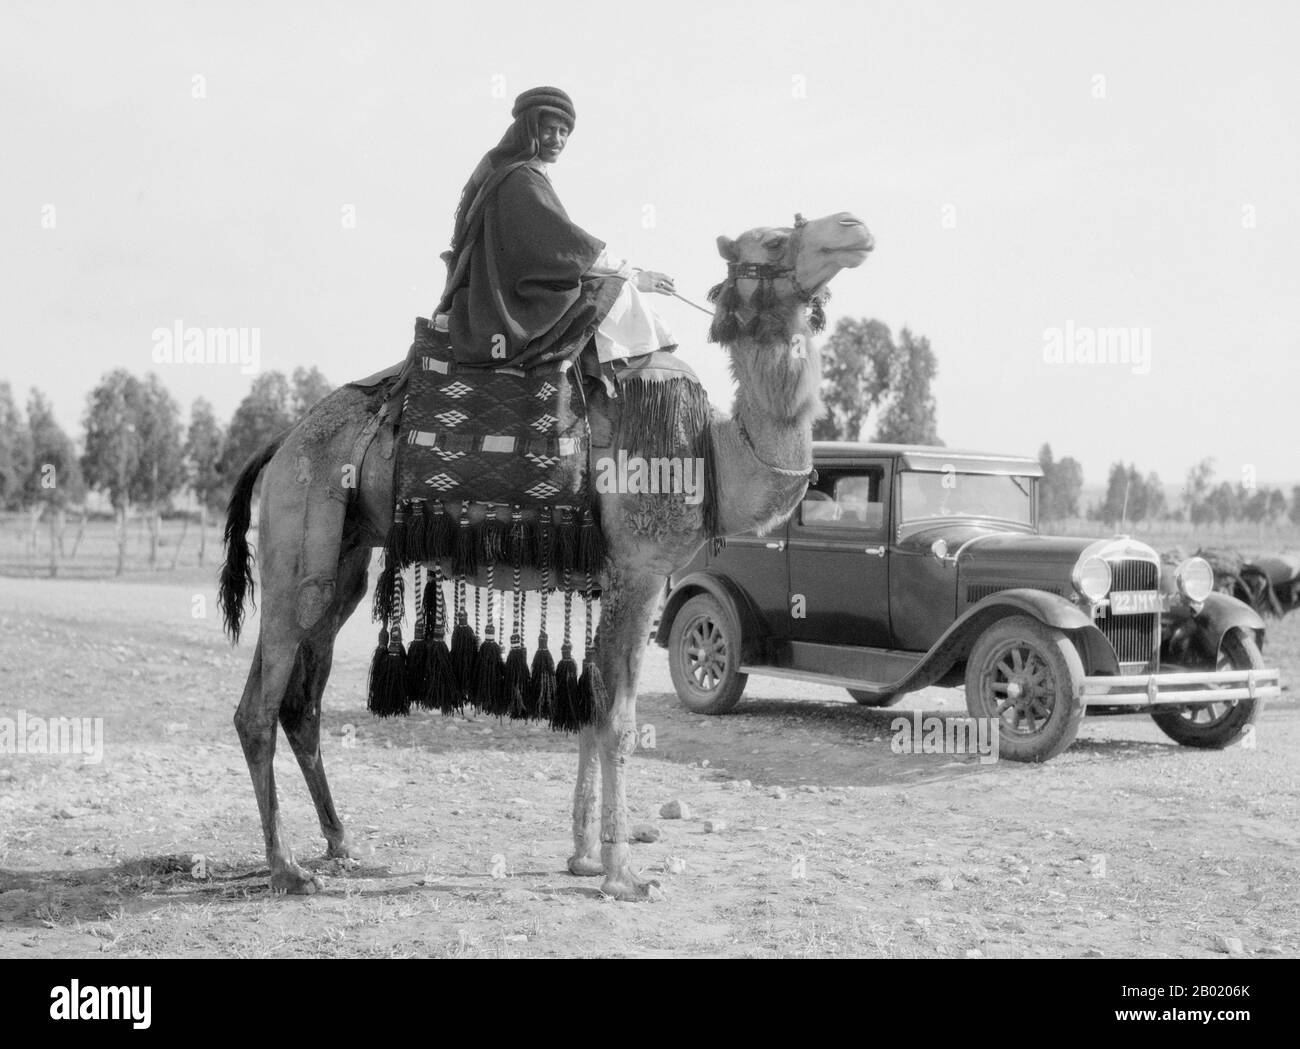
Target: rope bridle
805 472
770 271
769 320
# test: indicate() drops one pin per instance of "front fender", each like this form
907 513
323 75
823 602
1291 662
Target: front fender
1205 630
746 619
1052 609
1049 609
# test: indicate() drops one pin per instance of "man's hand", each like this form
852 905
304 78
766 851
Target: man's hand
649 280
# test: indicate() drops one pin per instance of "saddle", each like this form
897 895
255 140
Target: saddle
493 490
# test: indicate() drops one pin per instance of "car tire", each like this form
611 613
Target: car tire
1217 725
1028 676
704 657
874 699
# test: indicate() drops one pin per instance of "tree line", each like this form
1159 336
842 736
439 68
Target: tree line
877 387
1134 498
137 451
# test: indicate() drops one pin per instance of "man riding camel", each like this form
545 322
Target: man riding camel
525 286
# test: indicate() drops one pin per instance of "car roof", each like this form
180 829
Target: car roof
925 457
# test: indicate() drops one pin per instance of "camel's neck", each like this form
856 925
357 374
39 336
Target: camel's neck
777 398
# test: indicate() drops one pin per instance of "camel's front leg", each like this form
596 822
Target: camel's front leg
586 808
625 619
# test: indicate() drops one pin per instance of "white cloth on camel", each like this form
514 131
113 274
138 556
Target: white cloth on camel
631 328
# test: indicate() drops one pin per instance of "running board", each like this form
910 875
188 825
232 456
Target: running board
814 678
874 670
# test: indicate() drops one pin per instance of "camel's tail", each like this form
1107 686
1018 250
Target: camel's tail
237 572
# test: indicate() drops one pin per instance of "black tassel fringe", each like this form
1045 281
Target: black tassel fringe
417 672
517 683
464 658
541 682
386 689
444 690
564 712
490 679
592 703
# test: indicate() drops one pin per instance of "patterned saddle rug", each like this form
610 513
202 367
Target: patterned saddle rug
492 489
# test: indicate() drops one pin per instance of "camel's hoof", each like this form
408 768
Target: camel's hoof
586 866
296 882
345 850
631 889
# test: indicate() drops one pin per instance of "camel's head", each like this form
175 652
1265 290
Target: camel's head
773 272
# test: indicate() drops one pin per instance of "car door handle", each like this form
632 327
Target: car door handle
778 545
875 551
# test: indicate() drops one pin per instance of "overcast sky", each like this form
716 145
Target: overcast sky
1024 167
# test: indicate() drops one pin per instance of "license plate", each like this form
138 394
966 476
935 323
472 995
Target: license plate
1135 602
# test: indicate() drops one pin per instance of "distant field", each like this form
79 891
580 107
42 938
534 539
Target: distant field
92 553
1247 538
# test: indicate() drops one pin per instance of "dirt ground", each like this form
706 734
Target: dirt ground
824 842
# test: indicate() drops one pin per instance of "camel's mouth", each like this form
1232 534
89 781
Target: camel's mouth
858 247
852 255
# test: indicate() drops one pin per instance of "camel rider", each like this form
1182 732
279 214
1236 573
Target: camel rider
526 286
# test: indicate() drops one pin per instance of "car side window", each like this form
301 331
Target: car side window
851 501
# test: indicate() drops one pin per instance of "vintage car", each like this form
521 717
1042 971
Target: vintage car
908 566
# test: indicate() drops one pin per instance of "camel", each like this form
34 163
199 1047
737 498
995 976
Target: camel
313 567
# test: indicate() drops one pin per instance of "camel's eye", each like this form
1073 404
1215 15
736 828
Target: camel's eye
775 241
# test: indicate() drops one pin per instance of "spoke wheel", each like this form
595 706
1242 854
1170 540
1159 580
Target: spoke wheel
1218 724
704 657
1026 676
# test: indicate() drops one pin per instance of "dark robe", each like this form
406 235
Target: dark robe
519 286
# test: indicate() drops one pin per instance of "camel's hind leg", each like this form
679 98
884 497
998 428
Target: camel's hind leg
301 719
255 720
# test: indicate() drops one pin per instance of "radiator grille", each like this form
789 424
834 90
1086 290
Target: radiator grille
1134 575
1135 638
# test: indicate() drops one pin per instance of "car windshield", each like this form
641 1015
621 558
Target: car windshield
931 496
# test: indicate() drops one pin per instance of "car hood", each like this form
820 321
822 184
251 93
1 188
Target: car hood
1000 547
982 543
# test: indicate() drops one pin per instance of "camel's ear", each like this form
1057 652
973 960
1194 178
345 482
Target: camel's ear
727 249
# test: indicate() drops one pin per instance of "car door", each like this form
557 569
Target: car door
756 564
838 558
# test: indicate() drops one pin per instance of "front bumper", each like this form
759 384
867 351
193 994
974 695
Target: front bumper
1165 690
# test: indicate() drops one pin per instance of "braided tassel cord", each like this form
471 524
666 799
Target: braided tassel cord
541 681
387 685
516 682
563 710
443 691
490 673
593 700
464 645
417 655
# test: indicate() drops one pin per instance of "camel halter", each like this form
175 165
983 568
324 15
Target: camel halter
770 271
769 319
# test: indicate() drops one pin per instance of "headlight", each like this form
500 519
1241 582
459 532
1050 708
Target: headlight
1091 577
1195 579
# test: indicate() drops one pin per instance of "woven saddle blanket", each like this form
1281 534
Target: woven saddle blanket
494 465
493 491
486 460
